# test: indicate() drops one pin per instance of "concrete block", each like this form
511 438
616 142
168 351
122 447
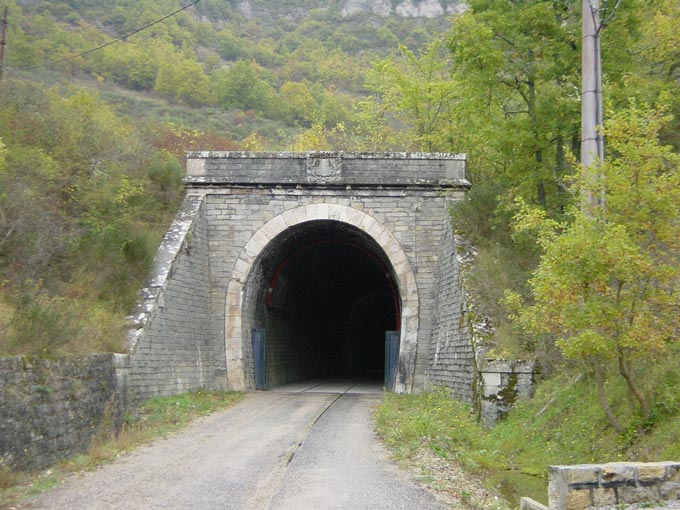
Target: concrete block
401 264
233 310
312 211
323 211
576 500
335 211
631 495
669 491
242 267
491 379
196 167
604 497
233 327
673 471
385 238
355 216
647 473
529 504
367 222
616 473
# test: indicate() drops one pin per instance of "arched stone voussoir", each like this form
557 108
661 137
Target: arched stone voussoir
359 219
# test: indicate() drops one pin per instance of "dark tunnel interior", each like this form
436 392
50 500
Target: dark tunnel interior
323 298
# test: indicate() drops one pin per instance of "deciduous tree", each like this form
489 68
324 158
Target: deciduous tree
608 284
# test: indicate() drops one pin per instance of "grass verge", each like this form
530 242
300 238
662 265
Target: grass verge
562 424
154 418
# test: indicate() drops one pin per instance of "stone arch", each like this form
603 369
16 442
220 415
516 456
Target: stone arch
405 279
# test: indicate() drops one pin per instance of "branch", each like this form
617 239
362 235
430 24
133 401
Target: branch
9 233
561 183
632 386
611 15
502 37
599 383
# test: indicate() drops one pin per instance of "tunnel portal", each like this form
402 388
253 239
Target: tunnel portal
312 257
321 296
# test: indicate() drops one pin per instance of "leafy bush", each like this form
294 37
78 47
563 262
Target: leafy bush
41 324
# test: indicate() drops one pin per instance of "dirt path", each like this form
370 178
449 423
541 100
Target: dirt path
272 451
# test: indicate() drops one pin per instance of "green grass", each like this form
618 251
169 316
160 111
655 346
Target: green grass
562 424
154 418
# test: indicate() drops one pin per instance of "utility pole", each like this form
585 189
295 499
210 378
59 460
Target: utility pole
592 141
3 41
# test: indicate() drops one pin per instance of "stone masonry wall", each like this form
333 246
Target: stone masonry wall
51 409
451 360
418 220
178 338
173 347
582 486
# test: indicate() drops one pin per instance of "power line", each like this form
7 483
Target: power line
66 59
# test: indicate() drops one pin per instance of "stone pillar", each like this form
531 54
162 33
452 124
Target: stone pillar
504 382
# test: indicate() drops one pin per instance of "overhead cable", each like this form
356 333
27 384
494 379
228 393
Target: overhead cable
66 59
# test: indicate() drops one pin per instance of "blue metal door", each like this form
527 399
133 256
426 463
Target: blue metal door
391 358
260 359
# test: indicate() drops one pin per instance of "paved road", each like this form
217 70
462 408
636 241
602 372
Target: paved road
275 450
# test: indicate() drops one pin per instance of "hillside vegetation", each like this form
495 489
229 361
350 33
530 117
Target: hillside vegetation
92 142
291 63
589 289
561 425
91 165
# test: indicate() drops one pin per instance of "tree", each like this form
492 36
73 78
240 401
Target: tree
77 206
182 79
608 284
84 134
243 86
321 138
229 46
657 76
420 92
131 64
517 64
297 102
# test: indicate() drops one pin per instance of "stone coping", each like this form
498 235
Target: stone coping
327 169
324 154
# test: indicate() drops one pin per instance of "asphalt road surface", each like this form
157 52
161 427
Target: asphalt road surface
296 448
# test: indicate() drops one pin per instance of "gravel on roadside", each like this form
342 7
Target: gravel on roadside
665 505
447 480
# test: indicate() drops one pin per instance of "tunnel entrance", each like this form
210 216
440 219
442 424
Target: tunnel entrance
320 297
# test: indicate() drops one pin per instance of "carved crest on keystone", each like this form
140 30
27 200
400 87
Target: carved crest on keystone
324 168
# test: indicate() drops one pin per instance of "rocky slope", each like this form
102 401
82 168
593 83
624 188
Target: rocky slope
348 8
405 8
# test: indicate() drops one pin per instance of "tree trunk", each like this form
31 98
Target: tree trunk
632 387
613 420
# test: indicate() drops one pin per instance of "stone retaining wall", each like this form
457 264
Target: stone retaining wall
582 486
451 360
51 409
172 344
